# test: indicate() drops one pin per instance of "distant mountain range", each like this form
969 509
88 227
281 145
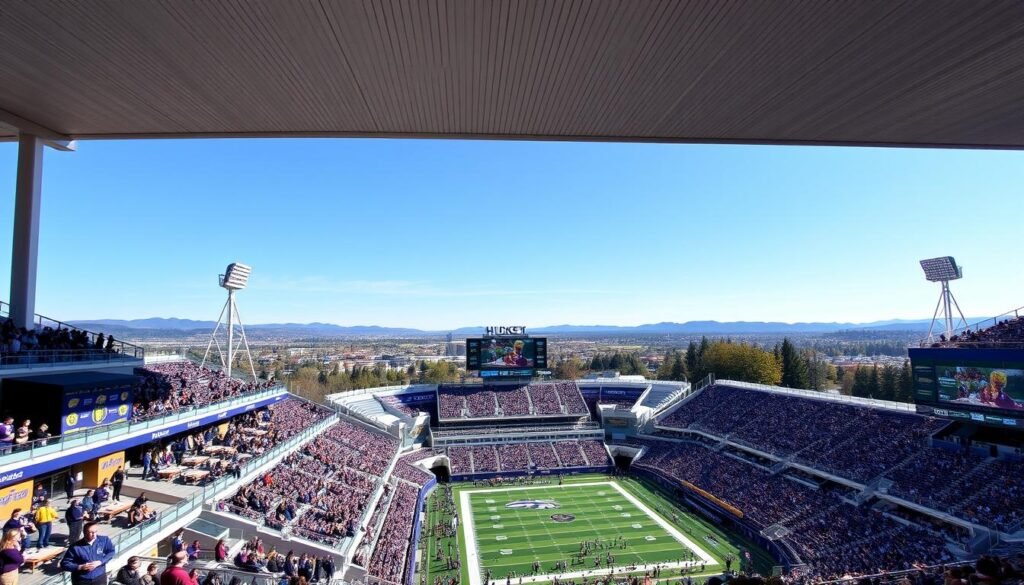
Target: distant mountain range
157 325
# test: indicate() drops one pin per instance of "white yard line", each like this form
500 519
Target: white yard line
664 524
466 524
473 560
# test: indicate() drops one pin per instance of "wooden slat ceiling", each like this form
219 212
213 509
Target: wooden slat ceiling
885 72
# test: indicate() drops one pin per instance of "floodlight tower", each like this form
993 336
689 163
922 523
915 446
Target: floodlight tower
235 278
943 270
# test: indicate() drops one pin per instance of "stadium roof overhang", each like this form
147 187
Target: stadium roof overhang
846 72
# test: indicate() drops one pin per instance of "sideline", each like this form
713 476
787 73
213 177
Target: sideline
472 555
664 524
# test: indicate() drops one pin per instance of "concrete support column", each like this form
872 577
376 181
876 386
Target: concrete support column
25 251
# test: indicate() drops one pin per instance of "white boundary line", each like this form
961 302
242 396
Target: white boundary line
664 524
473 560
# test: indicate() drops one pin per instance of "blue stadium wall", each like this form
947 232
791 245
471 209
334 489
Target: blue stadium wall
417 523
551 472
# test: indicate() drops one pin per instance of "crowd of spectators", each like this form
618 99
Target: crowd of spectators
1007 331
484 459
321 491
995 496
861 444
511 400
390 553
451 403
828 533
572 400
529 456
459 459
397 404
852 441
405 468
19 341
542 455
569 454
513 457
174 386
544 398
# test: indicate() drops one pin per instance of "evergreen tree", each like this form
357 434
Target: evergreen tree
678 372
794 369
861 382
889 381
905 387
667 363
691 362
874 383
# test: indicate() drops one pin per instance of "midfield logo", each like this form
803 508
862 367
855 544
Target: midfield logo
533 504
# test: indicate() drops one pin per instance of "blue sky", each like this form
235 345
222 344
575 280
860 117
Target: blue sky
441 234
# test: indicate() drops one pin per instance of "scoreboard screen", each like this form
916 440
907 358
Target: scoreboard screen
519 354
981 385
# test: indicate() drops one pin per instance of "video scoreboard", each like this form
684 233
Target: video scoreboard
506 352
977 385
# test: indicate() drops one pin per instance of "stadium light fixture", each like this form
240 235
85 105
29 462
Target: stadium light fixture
942 270
235 278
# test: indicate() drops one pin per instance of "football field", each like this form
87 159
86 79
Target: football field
506 530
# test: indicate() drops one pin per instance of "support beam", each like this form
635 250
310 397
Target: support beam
25 249
23 126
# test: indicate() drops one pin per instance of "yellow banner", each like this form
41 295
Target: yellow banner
722 503
16 496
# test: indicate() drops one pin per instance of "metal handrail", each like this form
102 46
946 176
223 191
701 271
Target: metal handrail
169 517
59 443
978 326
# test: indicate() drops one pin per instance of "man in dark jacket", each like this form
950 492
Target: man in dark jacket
117 480
129 574
69 485
75 517
87 559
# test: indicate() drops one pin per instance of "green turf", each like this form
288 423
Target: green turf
510 540
530 534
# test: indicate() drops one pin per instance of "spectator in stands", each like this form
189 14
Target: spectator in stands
11 558
89 504
7 435
39 496
69 485
129 574
44 517
193 551
220 552
117 480
175 573
102 494
42 435
147 464
87 559
152 576
22 524
75 518
193 576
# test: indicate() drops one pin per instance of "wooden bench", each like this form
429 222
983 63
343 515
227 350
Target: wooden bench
195 475
169 473
195 460
109 511
34 559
